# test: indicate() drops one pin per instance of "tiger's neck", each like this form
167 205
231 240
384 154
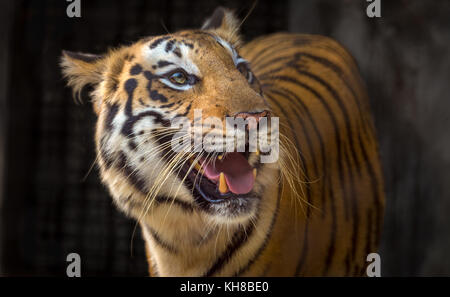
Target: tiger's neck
199 248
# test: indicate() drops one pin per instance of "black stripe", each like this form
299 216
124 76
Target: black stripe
188 108
169 200
168 105
308 191
158 106
111 114
328 64
298 102
169 45
239 239
340 73
275 61
334 49
302 258
376 194
149 76
347 264
158 41
130 174
327 180
162 243
177 52
136 69
129 57
188 44
129 86
351 142
156 96
354 209
163 63
130 203
131 120
263 246
342 107
331 249
303 162
107 160
127 128
279 42
335 127
140 184
325 166
307 136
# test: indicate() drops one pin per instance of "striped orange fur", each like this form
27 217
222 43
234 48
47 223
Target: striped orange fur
317 211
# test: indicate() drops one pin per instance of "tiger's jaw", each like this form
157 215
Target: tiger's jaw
225 187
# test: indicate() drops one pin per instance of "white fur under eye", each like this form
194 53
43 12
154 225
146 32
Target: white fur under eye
250 76
226 45
240 60
174 86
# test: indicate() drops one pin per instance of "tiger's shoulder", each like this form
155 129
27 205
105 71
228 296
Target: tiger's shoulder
274 54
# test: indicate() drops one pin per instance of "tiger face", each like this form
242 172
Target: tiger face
142 89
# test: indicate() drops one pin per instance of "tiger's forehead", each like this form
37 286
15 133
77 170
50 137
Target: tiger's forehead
183 50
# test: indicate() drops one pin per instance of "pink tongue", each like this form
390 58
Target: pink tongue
238 173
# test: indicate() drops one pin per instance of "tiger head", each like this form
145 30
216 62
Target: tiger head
140 90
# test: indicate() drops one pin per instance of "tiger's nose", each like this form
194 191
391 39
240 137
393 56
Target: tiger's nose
253 118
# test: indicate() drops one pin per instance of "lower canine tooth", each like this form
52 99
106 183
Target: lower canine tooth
257 152
220 157
254 172
223 188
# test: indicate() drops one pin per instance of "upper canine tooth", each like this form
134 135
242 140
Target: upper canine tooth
198 167
223 188
257 152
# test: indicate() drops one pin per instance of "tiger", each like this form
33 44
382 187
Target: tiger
317 210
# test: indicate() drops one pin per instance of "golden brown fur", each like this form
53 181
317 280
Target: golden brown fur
325 215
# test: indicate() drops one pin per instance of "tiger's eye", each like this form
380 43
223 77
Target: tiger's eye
178 78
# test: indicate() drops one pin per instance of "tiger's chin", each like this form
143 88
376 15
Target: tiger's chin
232 209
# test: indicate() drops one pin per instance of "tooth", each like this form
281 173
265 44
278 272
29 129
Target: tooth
257 152
198 167
220 157
223 188
254 172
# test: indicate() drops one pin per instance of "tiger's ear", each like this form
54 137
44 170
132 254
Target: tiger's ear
225 24
82 69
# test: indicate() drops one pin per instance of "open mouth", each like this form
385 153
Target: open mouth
226 177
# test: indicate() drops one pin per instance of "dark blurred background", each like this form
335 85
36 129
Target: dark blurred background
51 204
